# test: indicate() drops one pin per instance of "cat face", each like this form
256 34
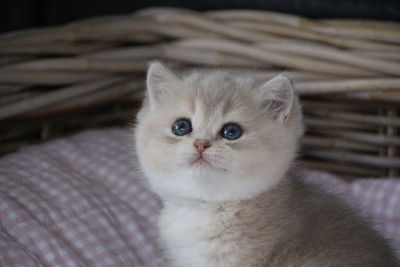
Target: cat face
213 136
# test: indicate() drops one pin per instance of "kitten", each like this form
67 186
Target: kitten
218 149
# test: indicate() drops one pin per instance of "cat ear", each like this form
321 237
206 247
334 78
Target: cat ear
278 97
159 80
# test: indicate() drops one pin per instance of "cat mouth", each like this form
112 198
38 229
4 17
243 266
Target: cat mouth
200 161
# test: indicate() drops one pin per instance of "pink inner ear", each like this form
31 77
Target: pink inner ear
277 97
159 79
154 80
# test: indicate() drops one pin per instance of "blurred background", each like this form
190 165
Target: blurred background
17 14
67 73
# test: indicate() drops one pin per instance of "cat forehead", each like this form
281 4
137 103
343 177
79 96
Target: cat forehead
210 111
210 96
217 88
206 105
218 82
213 99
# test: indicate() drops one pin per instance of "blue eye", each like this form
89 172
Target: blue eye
231 131
182 127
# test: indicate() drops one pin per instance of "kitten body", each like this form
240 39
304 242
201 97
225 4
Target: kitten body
293 224
238 205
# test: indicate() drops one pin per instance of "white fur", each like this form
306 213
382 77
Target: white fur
197 235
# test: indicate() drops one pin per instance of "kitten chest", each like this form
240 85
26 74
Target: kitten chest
203 235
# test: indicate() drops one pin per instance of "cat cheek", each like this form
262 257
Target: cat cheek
171 140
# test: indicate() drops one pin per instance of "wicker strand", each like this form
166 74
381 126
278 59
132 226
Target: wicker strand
46 99
89 73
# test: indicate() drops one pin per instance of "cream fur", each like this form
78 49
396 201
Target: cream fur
242 169
242 210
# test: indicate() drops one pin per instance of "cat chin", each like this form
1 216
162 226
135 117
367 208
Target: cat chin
210 185
202 168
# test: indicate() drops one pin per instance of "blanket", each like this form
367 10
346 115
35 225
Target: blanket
82 201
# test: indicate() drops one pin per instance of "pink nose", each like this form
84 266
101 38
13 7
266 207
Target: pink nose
201 145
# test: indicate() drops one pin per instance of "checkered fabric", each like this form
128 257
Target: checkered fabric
80 201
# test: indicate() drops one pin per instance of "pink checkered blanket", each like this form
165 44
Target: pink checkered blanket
80 201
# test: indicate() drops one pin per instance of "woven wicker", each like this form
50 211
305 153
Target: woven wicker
58 80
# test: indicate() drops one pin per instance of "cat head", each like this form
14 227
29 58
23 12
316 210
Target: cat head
214 136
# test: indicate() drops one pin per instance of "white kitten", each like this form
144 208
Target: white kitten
217 149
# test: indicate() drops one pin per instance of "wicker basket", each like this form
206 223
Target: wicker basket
58 80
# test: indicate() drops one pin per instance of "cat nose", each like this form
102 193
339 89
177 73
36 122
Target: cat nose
201 145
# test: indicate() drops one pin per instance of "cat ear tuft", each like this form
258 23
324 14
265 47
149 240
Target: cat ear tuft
159 80
278 97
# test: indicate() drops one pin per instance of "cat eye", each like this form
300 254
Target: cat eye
182 127
231 131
